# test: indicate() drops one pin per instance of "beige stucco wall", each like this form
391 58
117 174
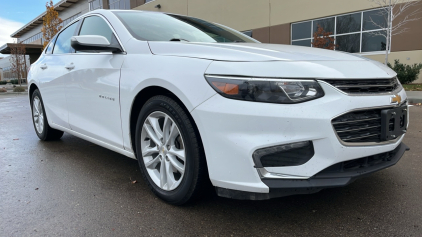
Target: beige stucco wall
173 6
407 57
251 14
238 14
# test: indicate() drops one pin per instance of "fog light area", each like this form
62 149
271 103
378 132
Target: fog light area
292 154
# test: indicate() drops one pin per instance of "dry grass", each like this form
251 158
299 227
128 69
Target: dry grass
413 87
19 89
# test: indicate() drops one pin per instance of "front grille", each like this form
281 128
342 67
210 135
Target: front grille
365 86
359 126
360 164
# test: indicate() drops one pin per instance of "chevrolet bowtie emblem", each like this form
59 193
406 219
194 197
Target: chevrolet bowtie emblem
396 99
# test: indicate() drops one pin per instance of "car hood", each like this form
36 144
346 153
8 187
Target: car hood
248 52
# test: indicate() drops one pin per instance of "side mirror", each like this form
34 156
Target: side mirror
95 43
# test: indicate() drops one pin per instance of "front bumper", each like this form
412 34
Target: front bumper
232 130
329 178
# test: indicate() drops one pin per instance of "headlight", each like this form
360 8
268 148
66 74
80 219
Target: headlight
283 91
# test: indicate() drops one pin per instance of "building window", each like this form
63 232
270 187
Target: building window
96 4
120 4
353 33
248 33
147 1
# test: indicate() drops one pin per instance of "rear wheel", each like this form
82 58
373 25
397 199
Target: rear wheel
39 118
169 152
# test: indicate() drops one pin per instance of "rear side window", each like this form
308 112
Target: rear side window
95 25
63 40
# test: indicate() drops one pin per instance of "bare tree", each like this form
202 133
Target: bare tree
17 61
391 10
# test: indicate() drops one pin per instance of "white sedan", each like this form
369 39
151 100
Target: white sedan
197 102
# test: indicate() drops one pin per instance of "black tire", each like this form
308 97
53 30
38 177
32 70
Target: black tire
195 166
47 133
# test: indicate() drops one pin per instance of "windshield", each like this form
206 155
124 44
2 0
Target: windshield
153 26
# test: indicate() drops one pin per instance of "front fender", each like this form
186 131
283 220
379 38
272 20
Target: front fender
184 77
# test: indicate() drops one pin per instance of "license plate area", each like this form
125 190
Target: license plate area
393 123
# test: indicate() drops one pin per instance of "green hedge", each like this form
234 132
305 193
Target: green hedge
14 81
3 82
406 73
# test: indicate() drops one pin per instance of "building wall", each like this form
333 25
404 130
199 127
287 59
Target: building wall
79 7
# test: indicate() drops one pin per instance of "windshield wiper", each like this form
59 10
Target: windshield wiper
177 39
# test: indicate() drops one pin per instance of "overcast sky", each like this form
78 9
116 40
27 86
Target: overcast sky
16 13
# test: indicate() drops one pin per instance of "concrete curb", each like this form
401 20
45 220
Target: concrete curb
414 96
11 93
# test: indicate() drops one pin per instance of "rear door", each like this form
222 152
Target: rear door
51 76
92 88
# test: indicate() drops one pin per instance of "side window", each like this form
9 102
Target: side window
63 40
49 49
95 25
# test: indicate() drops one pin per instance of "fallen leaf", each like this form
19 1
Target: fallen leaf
36 188
16 139
134 181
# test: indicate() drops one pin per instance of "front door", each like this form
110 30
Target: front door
92 88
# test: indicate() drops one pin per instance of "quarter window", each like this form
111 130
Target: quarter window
95 25
63 40
248 33
49 49
353 33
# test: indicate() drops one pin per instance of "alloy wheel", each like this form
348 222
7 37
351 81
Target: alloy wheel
163 150
38 114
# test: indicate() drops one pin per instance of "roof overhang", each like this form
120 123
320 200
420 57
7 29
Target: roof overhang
60 6
29 48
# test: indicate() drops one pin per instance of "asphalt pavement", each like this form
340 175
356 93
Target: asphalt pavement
72 187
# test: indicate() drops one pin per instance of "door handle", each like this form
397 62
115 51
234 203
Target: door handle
44 66
70 66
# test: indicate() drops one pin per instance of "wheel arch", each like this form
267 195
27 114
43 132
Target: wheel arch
31 89
142 97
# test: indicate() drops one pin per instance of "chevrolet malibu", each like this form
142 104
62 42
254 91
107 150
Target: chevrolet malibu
195 102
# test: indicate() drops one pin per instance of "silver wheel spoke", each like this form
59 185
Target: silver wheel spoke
166 127
163 178
151 134
156 126
176 152
152 163
147 151
170 176
176 164
173 134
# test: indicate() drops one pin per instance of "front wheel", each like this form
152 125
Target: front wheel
169 152
39 118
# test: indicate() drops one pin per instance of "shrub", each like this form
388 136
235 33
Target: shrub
14 81
19 89
3 82
3 89
406 73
